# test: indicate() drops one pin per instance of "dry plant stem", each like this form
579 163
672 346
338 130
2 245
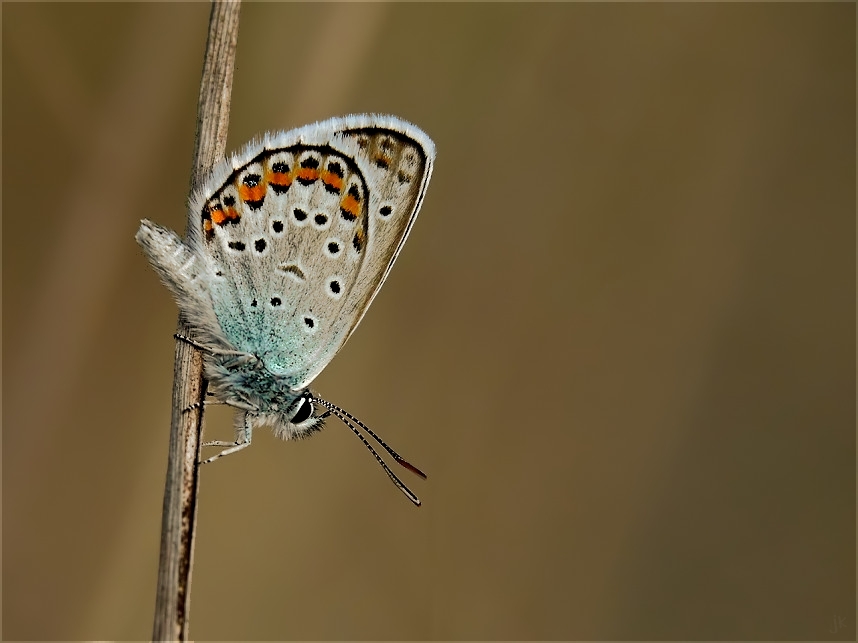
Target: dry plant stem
172 601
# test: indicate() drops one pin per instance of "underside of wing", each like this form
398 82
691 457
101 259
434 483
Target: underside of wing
300 230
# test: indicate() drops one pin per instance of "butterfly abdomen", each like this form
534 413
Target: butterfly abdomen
185 274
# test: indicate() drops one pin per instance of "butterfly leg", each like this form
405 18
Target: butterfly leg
210 349
234 448
197 405
242 442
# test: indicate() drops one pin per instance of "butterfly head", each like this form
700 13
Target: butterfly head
299 419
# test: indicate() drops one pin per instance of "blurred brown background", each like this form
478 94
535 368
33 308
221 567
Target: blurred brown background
621 338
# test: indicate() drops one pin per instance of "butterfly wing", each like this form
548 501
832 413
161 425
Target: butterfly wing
300 230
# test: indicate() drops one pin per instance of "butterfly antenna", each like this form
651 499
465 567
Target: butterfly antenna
344 417
393 454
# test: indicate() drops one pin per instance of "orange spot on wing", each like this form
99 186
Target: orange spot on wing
307 174
350 205
331 179
255 193
358 240
281 179
218 216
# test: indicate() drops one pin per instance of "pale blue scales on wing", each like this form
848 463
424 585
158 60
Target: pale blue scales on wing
289 241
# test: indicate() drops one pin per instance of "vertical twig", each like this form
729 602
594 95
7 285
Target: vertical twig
172 601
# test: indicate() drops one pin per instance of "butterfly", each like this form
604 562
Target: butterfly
288 243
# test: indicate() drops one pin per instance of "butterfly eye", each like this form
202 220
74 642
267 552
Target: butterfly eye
305 410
